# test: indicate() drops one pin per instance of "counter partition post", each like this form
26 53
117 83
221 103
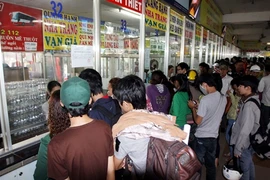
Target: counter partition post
193 46
167 43
4 120
142 42
96 17
201 46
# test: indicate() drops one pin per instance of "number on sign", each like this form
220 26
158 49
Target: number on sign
57 9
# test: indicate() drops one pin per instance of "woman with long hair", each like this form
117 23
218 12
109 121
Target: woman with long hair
58 121
179 107
51 87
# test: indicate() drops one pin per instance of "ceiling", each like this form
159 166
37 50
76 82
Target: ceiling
250 19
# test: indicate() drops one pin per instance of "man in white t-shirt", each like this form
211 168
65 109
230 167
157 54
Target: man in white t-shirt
208 118
264 88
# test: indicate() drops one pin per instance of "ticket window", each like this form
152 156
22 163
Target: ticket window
119 42
176 35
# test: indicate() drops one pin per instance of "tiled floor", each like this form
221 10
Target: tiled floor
262 167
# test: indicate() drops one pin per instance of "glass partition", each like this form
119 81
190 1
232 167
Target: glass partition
119 42
198 49
176 35
36 43
189 38
204 46
155 28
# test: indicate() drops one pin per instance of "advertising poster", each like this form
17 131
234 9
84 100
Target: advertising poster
211 16
188 36
20 28
198 35
60 33
176 23
86 28
156 15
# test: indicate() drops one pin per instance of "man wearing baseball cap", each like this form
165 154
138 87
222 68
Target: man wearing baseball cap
85 150
255 70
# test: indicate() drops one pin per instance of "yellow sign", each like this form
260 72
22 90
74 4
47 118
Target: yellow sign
251 45
61 33
210 16
156 15
229 34
176 23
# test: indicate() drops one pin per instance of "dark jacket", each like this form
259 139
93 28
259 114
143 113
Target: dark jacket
110 104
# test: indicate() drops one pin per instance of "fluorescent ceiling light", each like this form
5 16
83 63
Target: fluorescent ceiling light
268 43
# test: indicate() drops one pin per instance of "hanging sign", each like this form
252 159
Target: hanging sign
134 5
86 28
20 28
57 8
176 23
156 15
211 16
198 34
60 33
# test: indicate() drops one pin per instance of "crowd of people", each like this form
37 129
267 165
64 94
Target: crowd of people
91 134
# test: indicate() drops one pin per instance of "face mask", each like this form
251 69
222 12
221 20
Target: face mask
203 90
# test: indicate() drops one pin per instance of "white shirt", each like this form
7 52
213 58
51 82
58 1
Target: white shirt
226 84
264 87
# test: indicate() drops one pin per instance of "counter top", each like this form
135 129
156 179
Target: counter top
18 158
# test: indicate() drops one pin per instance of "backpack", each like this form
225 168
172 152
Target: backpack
171 160
113 117
260 140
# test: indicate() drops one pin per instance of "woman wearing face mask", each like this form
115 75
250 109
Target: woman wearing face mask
179 107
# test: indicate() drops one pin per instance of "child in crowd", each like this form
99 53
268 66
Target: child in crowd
247 123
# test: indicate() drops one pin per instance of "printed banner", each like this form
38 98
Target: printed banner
176 23
210 16
204 36
20 28
251 46
198 33
134 5
60 33
188 37
86 31
156 15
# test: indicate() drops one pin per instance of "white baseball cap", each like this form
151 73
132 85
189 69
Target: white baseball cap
255 68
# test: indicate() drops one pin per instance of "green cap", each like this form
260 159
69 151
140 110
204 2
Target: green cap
75 90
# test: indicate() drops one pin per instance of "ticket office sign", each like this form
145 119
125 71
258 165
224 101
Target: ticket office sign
156 15
176 23
60 33
20 28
